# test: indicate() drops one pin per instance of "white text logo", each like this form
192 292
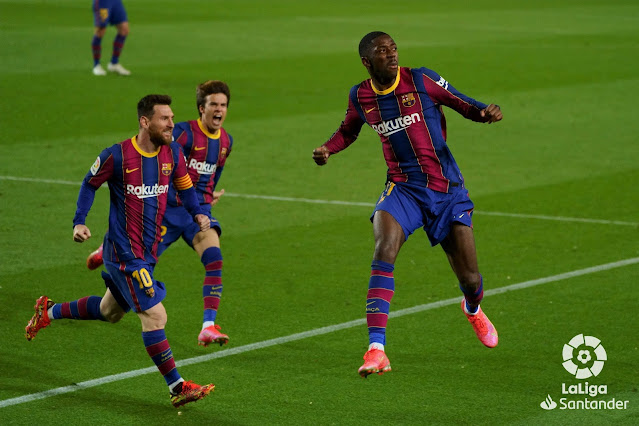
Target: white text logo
146 191
387 128
584 357
203 167
443 83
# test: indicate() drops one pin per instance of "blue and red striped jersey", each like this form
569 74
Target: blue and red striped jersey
409 119
139 186
205 153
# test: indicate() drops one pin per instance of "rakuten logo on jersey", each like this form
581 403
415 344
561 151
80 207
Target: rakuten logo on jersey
202 167
387 128
146 191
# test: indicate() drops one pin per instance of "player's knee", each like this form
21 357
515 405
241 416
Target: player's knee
386 250
154 324
153 319
470 280
99 31
113 316
123 29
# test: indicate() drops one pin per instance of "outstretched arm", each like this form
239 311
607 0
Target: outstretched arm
99 173
443 93
345 135
81 232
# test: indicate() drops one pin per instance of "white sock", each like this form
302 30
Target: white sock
50 312
376 346
470 313
174 384
207 324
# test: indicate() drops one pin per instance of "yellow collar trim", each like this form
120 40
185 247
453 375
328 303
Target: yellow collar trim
390 89
215 135
143 153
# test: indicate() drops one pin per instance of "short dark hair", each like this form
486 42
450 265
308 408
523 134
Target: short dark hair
365 45
210 87
146 104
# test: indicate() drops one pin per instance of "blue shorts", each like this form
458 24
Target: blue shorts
178 222
108 12
132 284
414 206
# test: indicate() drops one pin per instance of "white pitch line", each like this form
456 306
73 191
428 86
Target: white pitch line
560 218
300 200
360 204
311 333
24 179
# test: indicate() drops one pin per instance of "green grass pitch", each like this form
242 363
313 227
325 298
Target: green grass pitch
554 184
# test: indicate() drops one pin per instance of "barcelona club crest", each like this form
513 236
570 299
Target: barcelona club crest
104 14
223 153
166 169
408 100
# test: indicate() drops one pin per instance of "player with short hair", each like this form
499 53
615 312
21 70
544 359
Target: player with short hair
206 146
138 171
424 188
105 13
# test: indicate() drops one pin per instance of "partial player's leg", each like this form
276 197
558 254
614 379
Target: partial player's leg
459 246
118 45
110 308
101 19
96 47
133 284
157 346
207 246
86 308
389 237
121 21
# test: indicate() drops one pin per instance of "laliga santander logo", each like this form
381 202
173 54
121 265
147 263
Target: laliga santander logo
584 357
590 356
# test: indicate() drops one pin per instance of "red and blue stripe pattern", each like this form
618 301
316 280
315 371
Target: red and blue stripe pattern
409 120
160 352
381 289
86 308
139 184
212 287
118 45
206 155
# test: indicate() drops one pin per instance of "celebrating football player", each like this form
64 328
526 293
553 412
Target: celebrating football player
206 146
424 188
138 199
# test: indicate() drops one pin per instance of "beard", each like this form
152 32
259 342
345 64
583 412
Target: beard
157 137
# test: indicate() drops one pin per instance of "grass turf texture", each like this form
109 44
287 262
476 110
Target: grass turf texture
564 72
